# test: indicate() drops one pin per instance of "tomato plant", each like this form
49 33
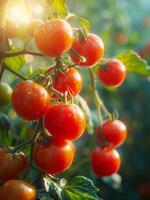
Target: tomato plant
112 74
30 100
105 161
65 121
68 81
54 37
5 93
11 165
17 189
55 156
52 112
115 132
91 48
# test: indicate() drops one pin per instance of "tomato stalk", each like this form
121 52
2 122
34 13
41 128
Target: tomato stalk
14 72
99 103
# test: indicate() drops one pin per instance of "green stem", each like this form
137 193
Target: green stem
99 103
15 73
2 69
22 52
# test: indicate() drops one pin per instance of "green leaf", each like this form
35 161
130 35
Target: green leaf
44 196
81 188
58 7
16 62
52 188
5 124
134 63
89 121
73 18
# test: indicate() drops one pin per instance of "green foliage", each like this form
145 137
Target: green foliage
58 7
134 63
79 188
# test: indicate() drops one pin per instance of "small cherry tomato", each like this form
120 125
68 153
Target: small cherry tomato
11 165
92 49
5 94
105 161
55 156
17 190
30 100
113 74
114 132
69 81
65 121
54 37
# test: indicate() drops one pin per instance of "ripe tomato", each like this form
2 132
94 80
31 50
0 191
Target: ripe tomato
54 37
69 81
30 100
92 49
5 94
11 28
114 132
32 25
105 161
65 121
55 156
17 190
11 165
113 74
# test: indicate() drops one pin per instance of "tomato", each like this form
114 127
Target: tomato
113 74
65 121
53 37
105 161
92 49
30 100
69 81
55 156
32 25
5 94
17 190
11 165
114 132
11 28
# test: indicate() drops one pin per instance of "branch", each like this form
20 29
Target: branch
22 52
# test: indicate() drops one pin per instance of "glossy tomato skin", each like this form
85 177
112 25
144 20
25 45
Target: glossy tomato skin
55 156
114 132
69 81
17 190
114 74
92 49
105 161
5 94
54 37
11 165
30 100
65 121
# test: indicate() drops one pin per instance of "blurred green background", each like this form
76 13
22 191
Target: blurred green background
123 25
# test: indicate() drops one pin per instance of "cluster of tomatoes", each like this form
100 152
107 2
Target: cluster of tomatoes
51 101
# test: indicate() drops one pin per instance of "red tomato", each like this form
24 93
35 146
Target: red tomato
54 37
105 161
65 121
11 165
92 49
113 74
17 190
114 132
69 81
30 100
55 156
